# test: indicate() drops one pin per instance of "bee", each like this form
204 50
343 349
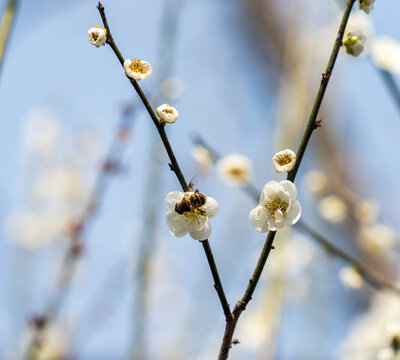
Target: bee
191 202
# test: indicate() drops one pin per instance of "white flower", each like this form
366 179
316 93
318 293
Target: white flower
354 42
351 277
97 36
203 157
333 208
194 221
385 53
167 113
138 69
316 181
235 170
278 206
376 238
284 160
173 88
366 5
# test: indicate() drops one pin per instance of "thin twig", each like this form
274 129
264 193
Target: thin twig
72 255
391 85
6 25
174 165
366 273
268 246
373 279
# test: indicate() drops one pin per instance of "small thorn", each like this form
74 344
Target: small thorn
171 167
318 124
272 247
326 75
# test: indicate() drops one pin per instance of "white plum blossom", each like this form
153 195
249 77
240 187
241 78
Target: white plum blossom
234 170
385 53
278 206
137 69
167 113
195 221
366 5
97 36
333 208
284 160
203 157
350 277
354 42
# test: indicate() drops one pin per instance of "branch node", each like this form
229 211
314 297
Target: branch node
326 75
171 167
317 124
100 6
235 341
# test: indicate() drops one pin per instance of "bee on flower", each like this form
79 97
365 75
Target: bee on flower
137 69
189 213
97 36
366 5
284 160
167 113
278 206
354 42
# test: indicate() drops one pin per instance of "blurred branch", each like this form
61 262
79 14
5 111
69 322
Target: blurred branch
174 165
268 245
6 25
367 274
69 263
391 85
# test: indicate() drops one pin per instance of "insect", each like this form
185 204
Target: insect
191 201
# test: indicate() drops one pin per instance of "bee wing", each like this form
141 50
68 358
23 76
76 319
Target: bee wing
192 183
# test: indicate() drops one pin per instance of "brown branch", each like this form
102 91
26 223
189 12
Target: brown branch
174 163
268 246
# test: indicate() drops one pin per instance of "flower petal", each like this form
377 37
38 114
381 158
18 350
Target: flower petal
259 219
290 188
172 198
177 224
211 207
202 233
294 213
270 189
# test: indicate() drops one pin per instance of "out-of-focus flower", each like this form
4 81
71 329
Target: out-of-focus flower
189 213
387 353
351 277
203 157
385 53
278 206
173 88
368 334
333 208
167 113
41 131
138 69
284 160
97 36
366 5
316 181
359 20
377 237
354 42
234 170
366 211
59 183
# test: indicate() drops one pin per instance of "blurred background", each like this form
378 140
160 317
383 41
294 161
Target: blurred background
89 269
